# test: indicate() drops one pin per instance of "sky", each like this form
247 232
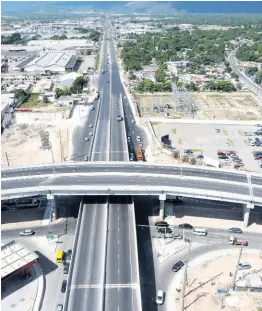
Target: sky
137 6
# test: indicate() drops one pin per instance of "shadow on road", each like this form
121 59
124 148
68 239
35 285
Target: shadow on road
143 209
46 264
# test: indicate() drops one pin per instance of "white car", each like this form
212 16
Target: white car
140 144
138 138
133 121
87 138
90 134
160 297
27 232
90 125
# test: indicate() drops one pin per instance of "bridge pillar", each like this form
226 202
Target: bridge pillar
52 204
162 198
246 212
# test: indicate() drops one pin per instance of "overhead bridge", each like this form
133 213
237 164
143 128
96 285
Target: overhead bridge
126 178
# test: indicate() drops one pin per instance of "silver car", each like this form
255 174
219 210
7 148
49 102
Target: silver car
27 232
90 125
160 297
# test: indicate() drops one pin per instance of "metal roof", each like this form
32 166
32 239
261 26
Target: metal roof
50 59
14 256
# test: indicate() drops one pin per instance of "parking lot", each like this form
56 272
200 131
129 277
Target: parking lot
209 139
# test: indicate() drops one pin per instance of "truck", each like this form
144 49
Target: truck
236 241
139 154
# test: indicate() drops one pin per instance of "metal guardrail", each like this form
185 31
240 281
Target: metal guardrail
130 190
71 267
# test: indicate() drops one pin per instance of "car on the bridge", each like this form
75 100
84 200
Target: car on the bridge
164 230
185 226
119 118
27 232
176 267
161 223
90 134
86 158
63 287
59 307
90 125
235 230
116 104
160 296
86 138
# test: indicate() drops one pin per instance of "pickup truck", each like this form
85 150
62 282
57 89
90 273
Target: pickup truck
236 241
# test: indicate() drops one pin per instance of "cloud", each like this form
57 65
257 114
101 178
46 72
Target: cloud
149 7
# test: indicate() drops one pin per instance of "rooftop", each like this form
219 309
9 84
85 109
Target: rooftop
14 256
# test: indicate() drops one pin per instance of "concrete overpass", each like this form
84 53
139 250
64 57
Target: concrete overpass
127 178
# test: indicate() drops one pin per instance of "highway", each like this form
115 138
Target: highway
242 76
129 167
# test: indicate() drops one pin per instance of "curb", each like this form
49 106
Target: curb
40 288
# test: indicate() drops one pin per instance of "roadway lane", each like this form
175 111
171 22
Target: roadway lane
121 275
138 180
86 290
242 76
128 167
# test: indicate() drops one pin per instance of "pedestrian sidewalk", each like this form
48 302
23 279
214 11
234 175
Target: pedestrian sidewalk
20 293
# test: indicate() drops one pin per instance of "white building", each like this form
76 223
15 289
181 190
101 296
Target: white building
52 62
176 67
61 44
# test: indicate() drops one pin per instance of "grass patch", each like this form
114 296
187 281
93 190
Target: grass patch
155 123
227 295
230 142
174 131
33 102
97 62
197 150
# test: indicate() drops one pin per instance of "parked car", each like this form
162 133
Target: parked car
63 287
217 130
219 153
59 307
188 151
160 296
235 230
244 265
176 267
66 267
161 224
185 226
27 232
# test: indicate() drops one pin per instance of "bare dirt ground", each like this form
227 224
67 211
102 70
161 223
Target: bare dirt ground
207 278
30 142
211 106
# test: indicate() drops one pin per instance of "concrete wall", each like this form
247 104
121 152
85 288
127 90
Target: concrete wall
22 117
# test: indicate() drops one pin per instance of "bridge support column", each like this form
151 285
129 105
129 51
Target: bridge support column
162 198
246 212
52 205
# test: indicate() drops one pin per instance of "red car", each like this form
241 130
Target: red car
258 157
221 153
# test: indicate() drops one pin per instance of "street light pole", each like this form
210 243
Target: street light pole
52 157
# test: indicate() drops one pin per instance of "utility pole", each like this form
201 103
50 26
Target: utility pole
185 280
235 274
7 159
61 153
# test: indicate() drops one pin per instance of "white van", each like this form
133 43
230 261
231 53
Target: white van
244 265
199 231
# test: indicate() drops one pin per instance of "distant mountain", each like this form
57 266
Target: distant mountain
146 7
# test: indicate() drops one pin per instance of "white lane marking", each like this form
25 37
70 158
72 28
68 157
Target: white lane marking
108 286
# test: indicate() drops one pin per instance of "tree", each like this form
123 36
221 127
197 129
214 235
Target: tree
78 85
176 154
21 96
160 75
193 161
58 92
192 87
258 78
45 99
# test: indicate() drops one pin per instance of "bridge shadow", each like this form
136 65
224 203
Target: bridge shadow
143 209
255 216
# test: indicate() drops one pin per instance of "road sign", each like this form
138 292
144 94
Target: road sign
50 237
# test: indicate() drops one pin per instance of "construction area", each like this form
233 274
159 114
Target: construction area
40 137
199 105
209 284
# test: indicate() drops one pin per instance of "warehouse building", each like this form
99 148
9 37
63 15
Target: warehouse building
52 62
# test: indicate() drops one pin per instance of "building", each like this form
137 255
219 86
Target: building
67 80
249 282
60 44
176 67
52 62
